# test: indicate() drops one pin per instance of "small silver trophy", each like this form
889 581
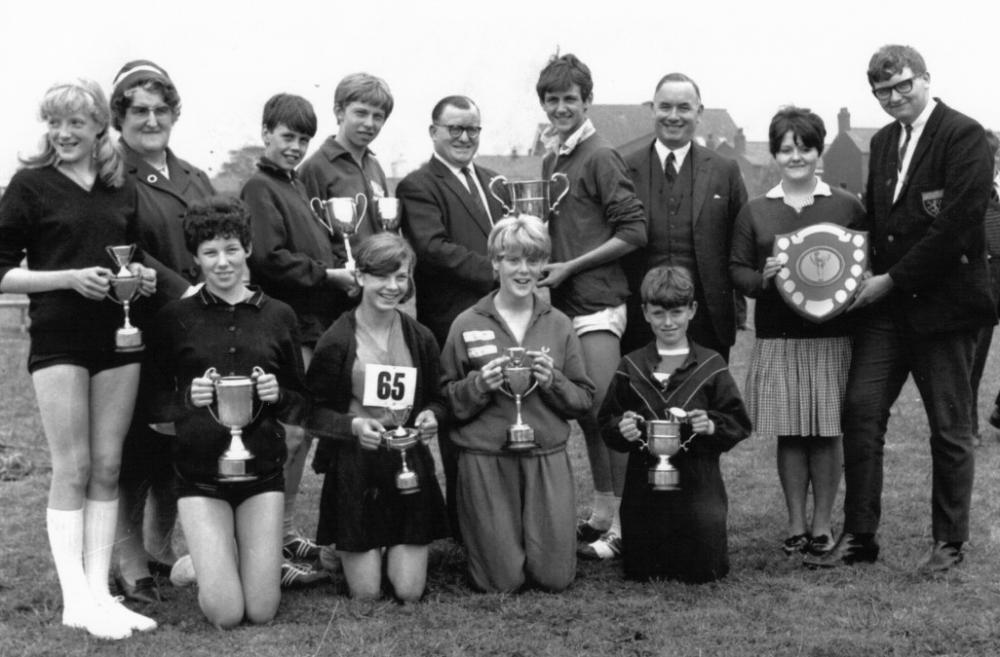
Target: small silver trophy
519 381
531 197
663 440
341 213
388 212
401 439
124 288
234 400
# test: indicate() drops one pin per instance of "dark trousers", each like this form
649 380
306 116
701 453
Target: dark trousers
885 352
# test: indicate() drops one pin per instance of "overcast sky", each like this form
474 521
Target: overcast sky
227 58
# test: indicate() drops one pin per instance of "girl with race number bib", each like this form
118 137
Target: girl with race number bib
375 500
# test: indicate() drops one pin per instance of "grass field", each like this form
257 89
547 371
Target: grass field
767 606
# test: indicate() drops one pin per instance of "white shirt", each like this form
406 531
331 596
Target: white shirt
918 129
679 154
461 178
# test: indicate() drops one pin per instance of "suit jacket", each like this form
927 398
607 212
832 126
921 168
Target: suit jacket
718 196
449 237
931 240
160 206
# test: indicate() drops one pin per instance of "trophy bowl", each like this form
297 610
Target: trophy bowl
531 197
124 289
519 381
235 410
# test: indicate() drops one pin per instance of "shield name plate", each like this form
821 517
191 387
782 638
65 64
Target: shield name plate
823 265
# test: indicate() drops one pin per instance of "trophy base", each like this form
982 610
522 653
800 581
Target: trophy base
128 341
234 470
407 485
664 480
520 438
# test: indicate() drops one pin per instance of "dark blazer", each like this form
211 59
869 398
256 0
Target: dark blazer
449 237
160 206
931 241
718 196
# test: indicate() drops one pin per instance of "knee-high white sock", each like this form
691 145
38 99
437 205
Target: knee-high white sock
100 521
65 530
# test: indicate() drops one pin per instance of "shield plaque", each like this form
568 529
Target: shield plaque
823 264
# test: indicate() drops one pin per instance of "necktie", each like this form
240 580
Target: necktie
902 149
477 200
669 170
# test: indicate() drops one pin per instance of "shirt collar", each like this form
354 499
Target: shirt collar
270 167
679 153
583 132
333 150
208 299
919 122
822 189
455 170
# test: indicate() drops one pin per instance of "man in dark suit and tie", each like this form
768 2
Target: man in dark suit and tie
919 313
692 196
448 213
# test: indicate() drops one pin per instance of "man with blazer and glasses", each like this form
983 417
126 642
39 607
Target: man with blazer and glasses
928 296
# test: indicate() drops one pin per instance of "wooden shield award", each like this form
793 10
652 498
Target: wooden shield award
823 264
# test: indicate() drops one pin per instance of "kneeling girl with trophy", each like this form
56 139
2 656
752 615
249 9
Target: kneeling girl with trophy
376 403
225 366
514 375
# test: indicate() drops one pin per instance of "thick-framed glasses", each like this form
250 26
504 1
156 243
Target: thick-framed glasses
455 131
143 112
901 87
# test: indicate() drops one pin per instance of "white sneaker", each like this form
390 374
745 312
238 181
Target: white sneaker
182 572
96 622
113 607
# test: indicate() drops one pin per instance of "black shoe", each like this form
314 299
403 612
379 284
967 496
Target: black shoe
943 557
587 533
850 548
796 543
159 569
144 590
819 545
995 417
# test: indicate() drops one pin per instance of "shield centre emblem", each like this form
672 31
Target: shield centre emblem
823 265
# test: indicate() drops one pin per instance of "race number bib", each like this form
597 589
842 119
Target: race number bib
387 385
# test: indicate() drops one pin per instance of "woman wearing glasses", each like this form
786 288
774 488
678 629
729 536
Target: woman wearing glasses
61 211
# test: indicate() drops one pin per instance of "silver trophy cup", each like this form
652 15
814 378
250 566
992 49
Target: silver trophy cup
341 214
124 288
519 381
401 439
531 197
388 212
234 401
663 440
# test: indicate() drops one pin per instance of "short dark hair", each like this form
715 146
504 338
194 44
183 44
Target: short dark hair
561 73
667 287
678 77
383 253
804 124
363 88
891 59
461 102
216 217
294 111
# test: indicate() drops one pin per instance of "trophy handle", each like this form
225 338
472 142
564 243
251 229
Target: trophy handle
558 175
212 373
320 214
507 210
255 374
362 200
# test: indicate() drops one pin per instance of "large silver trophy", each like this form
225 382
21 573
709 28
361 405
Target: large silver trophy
531 197
234 400
663 440
519 381
388 212
401 439
341 213
124 288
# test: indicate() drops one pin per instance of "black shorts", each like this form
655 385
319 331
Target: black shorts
234 492
92 361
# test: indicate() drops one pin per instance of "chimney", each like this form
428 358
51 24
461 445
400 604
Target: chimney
843 120
741 142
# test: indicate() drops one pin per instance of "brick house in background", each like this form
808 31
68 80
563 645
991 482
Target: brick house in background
845 161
